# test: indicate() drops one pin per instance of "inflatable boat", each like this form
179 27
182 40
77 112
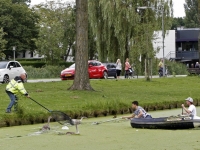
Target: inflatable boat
173 122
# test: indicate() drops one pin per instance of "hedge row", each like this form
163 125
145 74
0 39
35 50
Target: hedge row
30 59
40 64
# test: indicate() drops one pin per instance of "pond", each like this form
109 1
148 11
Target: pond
115 135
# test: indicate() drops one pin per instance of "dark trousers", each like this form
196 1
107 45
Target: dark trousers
13 101
126 73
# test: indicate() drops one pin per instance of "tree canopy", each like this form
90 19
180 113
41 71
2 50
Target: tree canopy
3 43
123 30
19 23
57 30
177 22
191 11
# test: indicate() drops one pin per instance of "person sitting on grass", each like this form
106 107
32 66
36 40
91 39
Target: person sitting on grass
138 113
191 111
12 89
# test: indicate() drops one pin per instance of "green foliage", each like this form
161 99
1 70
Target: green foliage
40 64
172 66
28 59
3 43
66 64
176 68
37 64
122 31
191 11
21 1
57 31
19 23
44 72
177 22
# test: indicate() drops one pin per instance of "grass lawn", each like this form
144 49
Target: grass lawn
110 96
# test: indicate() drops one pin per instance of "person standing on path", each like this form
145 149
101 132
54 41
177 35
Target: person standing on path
127 66
118 68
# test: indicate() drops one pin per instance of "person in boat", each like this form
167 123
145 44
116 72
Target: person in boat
138 113
192 109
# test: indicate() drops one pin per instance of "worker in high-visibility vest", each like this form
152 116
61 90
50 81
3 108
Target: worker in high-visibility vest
13 87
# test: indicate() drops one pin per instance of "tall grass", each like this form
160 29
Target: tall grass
44 72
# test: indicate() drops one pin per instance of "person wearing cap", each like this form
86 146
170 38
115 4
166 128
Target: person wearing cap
138 113
192 109
13 87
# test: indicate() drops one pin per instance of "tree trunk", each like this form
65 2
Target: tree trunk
81 80
199 45
199 26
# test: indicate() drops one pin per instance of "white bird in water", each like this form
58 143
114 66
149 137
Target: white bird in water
76 122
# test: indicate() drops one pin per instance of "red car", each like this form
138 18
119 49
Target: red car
96 70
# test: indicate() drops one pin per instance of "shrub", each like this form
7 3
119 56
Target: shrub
30 59
36 64
44 72
176 68
66 64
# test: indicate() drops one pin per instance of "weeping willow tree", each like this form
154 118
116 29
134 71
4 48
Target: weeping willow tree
123 30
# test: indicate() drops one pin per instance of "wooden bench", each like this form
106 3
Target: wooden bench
194 70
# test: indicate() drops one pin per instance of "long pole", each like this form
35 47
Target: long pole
163 37
14 54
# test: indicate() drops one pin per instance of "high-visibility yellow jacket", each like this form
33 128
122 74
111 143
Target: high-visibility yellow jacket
16 85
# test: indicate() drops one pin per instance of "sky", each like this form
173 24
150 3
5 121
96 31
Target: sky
178 6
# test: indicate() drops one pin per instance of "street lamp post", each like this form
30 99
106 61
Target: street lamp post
163 42
14 48
163 33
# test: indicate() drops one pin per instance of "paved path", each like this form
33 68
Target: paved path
121 77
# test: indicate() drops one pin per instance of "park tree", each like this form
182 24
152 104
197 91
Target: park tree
57 31
19 23
191 12
122 30
81 80
3 43
21 1
177 22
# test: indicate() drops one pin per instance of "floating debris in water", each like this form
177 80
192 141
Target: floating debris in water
65 128
35 133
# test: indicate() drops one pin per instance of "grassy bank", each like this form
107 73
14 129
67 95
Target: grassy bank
110 97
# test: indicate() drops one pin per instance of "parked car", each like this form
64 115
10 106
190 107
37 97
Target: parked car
10 69
111 69
95 69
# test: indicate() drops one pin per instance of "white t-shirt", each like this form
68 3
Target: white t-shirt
119 66
192 109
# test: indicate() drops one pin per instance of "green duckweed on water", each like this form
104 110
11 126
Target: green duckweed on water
118 135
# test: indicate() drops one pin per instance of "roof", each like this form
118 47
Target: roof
187 35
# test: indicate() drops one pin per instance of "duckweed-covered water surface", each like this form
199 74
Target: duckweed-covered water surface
115 135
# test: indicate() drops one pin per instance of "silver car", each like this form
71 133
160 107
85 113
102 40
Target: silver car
9 70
